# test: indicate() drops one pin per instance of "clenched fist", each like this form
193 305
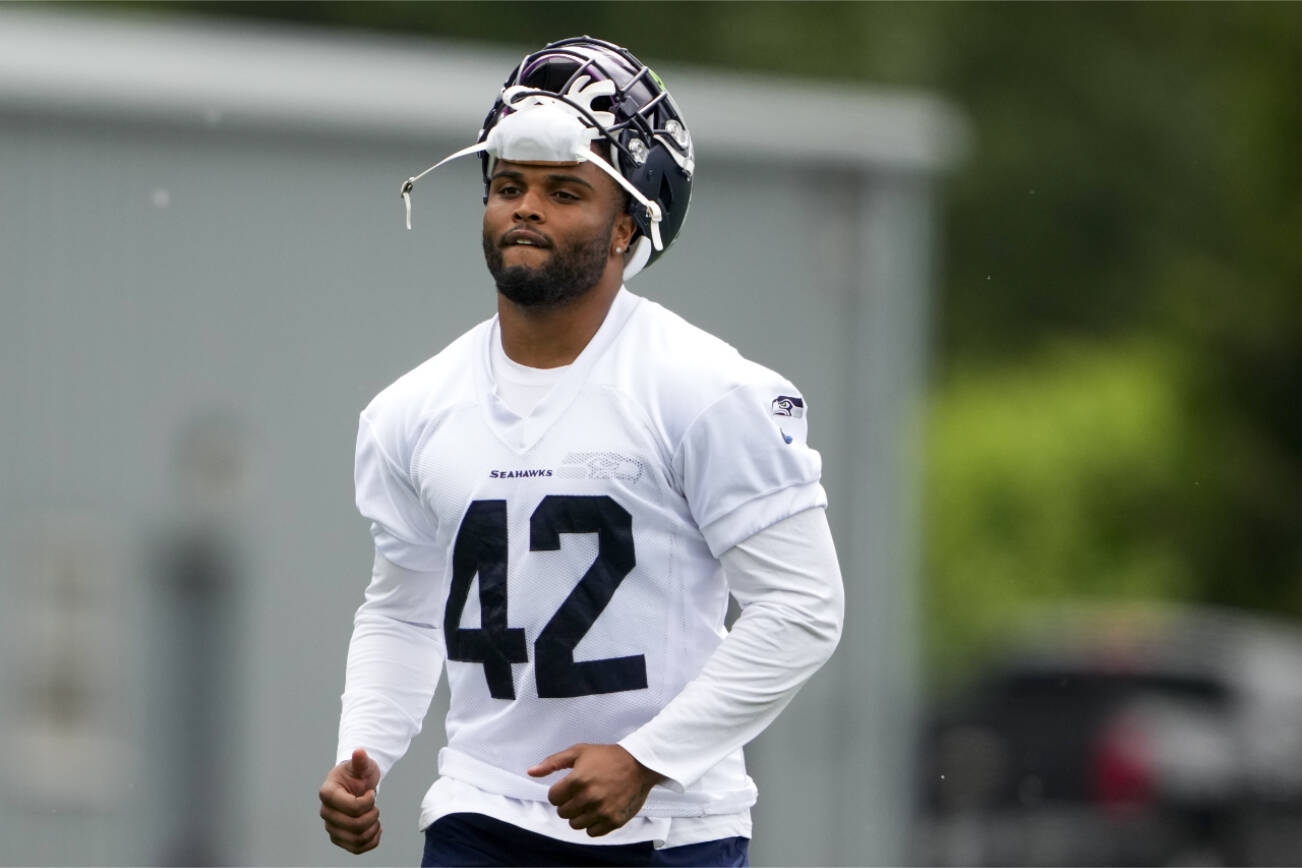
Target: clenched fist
348 803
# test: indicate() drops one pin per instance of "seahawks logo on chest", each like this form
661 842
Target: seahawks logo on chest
601 465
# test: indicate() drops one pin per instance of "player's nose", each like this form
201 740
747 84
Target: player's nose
528 208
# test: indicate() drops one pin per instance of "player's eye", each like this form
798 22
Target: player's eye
566 196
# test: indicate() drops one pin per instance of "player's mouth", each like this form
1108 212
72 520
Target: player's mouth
525 238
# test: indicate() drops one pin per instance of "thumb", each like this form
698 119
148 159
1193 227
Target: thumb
563 760
363 768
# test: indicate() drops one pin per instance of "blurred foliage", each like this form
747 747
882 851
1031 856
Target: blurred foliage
1135 194
1051 477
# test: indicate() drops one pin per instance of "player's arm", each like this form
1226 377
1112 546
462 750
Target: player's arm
395 659
787 581
396 653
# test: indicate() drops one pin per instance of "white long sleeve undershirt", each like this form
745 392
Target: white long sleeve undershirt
395 661
788 583
786 579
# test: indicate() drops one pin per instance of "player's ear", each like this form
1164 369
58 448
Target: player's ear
621 235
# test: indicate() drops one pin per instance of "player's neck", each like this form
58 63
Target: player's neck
551 337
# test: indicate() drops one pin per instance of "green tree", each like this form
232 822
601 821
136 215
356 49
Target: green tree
1056 479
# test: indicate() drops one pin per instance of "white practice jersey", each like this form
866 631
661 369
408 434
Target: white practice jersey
572 554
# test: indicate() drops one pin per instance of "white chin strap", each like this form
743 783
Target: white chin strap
541 129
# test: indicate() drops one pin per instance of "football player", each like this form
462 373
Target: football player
562 501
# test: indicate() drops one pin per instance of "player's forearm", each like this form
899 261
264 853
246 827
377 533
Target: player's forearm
735 697
393 670
789 584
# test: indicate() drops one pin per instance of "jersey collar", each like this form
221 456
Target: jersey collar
520 434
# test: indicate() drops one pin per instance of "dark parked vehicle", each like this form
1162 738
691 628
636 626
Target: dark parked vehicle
1122 736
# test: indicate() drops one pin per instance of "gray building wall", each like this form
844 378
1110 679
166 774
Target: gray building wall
204 276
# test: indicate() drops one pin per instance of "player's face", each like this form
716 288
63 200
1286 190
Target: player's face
551 229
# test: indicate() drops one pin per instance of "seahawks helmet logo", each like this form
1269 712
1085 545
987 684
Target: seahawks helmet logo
786 405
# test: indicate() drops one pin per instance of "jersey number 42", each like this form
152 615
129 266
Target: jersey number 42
480 550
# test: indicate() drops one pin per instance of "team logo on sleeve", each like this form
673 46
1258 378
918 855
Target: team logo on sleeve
788 405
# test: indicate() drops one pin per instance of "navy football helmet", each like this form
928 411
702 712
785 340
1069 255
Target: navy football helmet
590 90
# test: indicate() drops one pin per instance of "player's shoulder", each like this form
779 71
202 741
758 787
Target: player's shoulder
679 370
691 361
430 389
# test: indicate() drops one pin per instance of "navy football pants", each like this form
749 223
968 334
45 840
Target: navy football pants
474 839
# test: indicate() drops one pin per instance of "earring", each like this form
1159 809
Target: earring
619 250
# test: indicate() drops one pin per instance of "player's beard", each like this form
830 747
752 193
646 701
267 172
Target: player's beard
570 272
